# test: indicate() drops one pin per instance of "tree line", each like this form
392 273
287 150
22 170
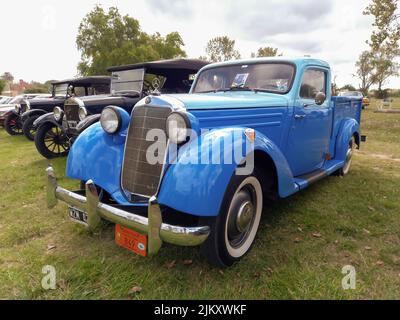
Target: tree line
377 64
109 39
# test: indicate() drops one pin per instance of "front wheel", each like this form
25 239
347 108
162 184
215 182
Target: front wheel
28 129
233 232
13 125
51 141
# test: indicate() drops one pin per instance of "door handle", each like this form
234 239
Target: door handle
299 116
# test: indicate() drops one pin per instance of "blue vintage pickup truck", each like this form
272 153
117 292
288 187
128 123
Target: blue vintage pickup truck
195 169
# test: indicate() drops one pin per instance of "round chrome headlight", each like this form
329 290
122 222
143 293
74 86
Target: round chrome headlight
110 120
178 126
58 113
17 108
26 106
82 113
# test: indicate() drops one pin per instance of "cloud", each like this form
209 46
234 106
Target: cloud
304 45
260 20
177 8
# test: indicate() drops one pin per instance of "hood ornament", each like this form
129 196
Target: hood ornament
156 84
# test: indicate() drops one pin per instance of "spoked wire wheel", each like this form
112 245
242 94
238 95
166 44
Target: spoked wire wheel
51 141
13 125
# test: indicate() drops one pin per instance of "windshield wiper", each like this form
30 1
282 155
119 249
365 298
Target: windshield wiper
234 89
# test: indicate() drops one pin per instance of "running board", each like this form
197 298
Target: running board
313 177
329 167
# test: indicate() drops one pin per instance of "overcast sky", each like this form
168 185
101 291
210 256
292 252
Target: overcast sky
38 36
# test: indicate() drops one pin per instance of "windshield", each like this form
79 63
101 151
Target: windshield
5 100
127 80
270 77
60 90
16 100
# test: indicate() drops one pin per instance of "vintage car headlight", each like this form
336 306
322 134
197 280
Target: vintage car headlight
58 113
110 120
26 106
82 113
17 108
178 126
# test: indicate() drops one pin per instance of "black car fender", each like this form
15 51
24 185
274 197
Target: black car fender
87 122
31 113
47 118
14 113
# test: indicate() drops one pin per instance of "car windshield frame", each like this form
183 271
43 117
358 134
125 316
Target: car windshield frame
245 87
136 76
60 93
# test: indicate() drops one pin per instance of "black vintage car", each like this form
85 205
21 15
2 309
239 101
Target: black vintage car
129 84
21 120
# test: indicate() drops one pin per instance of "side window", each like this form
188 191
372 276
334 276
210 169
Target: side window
314 81
79 91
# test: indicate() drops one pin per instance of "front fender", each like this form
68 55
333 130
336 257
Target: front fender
348 128
32 113
198 189
45 118
98 156
86 123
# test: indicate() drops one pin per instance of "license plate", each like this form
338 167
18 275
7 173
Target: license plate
131 240
78 215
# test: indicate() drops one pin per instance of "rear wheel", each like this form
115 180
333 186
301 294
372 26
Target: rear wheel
27 128
349 158
13 125
51 141
233 232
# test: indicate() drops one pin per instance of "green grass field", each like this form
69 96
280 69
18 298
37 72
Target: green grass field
302 246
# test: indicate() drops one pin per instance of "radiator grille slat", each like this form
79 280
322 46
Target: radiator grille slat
139 177
71 112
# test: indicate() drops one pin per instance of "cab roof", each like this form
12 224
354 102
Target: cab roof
298 61
190 65
85 80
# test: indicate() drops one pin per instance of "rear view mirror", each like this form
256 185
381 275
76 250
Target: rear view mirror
320 98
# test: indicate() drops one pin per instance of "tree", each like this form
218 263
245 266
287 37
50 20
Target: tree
37 87
2 85
107 39
334 86
384 68
266 52
7 76
386 35
348 87
384 42
365 69
221 49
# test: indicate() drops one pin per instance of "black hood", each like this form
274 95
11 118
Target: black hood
95 104
37 102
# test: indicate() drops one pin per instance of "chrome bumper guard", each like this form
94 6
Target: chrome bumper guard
152 226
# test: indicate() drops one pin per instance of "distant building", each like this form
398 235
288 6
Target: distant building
14 89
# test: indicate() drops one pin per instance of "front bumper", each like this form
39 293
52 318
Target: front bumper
152 226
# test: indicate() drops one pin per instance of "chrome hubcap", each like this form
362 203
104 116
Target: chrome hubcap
241 216
245 216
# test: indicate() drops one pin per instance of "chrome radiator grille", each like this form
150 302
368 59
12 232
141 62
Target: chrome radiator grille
138 176
71 112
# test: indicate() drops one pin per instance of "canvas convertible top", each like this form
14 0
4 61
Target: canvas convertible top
85 80
159 67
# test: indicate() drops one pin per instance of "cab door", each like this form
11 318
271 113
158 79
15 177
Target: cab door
309 136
